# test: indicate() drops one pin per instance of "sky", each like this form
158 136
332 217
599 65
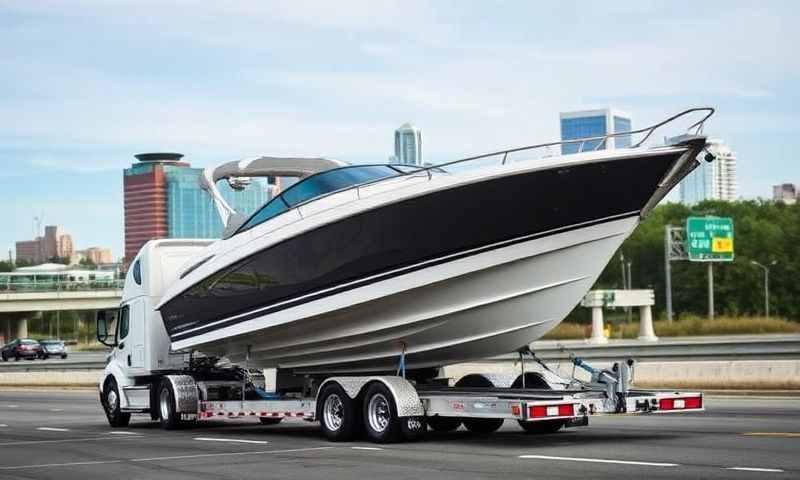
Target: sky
85 85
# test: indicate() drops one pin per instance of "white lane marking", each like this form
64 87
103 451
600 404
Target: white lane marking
66 440
155 459
47 465
232 440
53 429
56 409
123 432
12 406
230 454
599 460
3 425
756 469
366 448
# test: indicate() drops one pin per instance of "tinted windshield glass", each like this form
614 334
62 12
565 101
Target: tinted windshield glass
28 342
317 185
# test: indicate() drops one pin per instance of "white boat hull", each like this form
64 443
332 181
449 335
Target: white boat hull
474 307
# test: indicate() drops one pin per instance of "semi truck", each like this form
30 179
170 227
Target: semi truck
145 376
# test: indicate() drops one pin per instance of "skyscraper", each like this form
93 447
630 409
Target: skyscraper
712 181
54 244
594 123
407 145
163 199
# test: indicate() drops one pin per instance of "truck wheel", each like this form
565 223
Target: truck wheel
380 415
169 418
483 425
543 426
338 414
110 401
444 424
270 420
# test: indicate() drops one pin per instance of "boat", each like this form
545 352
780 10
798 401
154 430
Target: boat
356 267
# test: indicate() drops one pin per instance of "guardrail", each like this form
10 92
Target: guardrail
61 286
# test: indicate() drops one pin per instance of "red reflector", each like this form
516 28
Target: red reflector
566 410
538 411
666 404
693 402
516 411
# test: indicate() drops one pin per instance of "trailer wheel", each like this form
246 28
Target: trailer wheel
444 424
110 401
169 418
270 420
338 414
483 425
380 415
543 426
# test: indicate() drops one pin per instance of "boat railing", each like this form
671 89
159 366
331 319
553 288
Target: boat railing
695 128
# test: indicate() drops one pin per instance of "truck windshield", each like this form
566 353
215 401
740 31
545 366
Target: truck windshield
318 185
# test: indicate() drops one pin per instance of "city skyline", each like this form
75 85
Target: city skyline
64 141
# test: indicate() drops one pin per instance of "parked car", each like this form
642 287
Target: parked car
21 348
52 348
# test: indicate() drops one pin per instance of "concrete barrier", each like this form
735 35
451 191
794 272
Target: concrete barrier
712 375
52 378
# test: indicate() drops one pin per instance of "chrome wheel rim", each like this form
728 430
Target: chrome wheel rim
378 412
333 412
163 404
111 401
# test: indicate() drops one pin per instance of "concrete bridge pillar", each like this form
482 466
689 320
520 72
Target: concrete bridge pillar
598 333
22 328
646 332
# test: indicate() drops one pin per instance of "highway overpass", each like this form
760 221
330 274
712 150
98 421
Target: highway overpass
17 307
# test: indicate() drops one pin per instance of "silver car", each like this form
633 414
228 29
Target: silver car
54 348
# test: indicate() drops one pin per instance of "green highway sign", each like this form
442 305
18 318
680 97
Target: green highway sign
709 239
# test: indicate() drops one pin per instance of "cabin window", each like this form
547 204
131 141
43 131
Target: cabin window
137 272
318 185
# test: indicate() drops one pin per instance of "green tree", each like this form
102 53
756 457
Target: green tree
764 232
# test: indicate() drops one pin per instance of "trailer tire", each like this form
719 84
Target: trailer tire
543 426
110 401
444 424
339 416
483 425
169 418
381 422
270 420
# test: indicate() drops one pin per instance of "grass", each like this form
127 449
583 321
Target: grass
683 327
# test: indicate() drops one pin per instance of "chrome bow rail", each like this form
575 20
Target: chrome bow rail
695 128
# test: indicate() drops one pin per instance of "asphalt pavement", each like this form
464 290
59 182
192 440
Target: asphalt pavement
63 435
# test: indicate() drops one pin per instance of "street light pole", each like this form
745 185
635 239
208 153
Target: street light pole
766 283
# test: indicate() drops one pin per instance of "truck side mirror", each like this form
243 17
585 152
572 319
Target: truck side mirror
102 329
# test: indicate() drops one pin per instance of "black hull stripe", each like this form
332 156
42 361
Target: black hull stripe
267 310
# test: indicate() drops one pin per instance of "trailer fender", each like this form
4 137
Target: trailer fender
405 395
497 380
185 389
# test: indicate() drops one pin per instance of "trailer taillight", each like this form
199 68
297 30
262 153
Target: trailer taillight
539 411
680 403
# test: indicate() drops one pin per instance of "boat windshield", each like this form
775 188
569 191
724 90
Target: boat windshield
317 185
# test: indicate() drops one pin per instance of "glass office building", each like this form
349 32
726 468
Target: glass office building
712 181
407 145
594 123
191 212
163 199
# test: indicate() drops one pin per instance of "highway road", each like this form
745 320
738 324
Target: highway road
63 435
